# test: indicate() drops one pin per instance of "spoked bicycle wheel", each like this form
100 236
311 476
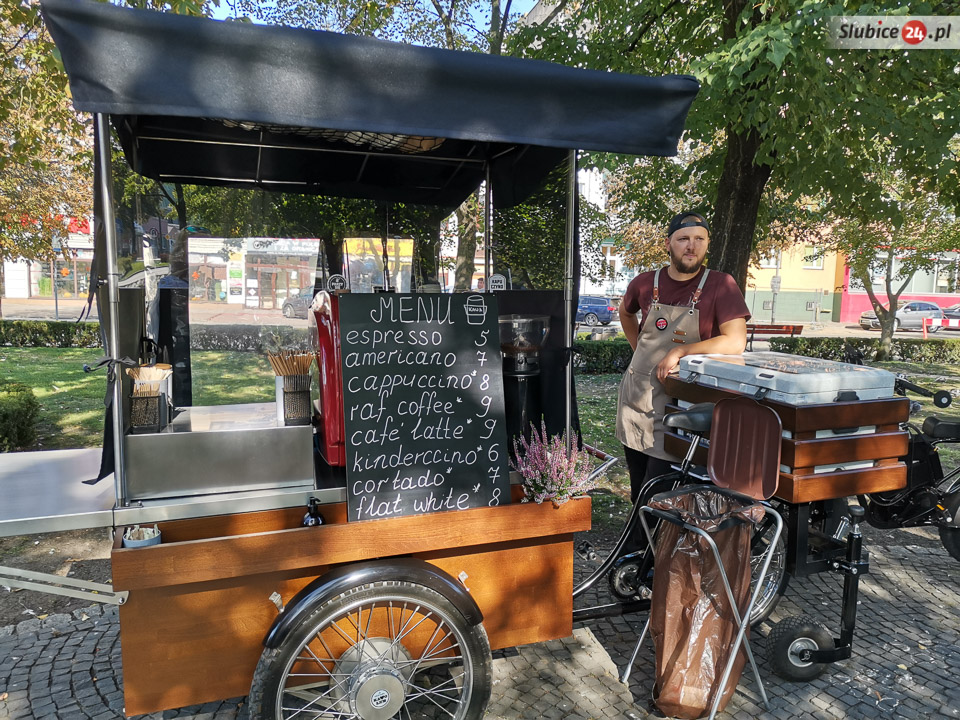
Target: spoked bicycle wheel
381 650
775 581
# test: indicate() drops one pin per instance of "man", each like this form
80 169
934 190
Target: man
684 309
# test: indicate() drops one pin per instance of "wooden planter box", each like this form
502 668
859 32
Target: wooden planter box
803 451
199 608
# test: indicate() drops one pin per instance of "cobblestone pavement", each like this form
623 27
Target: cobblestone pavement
905 663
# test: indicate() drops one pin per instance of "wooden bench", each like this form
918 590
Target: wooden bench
767 329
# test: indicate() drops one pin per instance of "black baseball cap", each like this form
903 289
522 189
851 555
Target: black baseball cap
688 219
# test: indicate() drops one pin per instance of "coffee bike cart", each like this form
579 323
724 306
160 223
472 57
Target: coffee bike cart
401 610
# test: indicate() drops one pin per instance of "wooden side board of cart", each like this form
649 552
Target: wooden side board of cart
199 607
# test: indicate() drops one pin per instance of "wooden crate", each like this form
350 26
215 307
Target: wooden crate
804 450
192 628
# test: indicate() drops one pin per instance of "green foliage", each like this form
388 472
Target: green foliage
530 238
18 416
48 333
774 95
598 357
248 338
933 350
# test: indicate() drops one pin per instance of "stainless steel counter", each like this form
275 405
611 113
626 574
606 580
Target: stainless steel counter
45 492
219 449
209 461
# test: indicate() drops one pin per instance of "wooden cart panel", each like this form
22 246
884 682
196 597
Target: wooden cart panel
192 629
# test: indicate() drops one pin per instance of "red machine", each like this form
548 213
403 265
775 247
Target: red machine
325 321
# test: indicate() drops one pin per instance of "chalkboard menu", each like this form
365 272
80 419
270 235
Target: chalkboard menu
423 404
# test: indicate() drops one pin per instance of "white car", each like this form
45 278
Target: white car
909 317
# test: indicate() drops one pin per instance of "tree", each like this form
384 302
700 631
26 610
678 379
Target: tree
778 109
530 238
44 145
891 252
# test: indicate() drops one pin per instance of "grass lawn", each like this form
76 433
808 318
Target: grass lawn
71 401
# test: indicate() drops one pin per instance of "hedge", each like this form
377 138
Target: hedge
591 357
18 416
48 333
597 357
933 350
248 337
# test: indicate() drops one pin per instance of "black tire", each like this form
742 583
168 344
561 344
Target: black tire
950 537
288 311
933 329
787 638
388 649
634 569
591 319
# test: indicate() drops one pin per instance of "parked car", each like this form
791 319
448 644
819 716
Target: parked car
909 317
297 306
952 313
594 310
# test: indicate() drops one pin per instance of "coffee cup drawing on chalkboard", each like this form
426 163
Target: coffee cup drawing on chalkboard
476 310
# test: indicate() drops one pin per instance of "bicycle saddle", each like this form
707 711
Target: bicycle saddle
695 419
941 429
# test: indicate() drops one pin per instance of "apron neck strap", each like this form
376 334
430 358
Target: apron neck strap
696 295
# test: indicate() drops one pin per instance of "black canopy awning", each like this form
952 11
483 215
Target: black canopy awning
226 103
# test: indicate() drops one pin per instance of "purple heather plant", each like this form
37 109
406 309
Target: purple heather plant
548 473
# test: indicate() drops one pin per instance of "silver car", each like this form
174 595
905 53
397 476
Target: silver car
909 317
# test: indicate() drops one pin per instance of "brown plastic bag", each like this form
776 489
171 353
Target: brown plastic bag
691 623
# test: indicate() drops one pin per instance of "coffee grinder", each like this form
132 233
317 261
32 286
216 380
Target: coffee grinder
521 337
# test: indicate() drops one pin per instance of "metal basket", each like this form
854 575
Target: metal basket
147 413
293 399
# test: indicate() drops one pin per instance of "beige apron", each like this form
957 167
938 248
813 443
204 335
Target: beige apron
642 398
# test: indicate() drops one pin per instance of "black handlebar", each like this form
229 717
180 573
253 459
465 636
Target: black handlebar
941 398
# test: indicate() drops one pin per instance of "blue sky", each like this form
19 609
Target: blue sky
521 6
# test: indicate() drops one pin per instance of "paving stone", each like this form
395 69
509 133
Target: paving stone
28 626
53 664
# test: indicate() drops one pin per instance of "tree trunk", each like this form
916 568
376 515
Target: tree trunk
466 245
425 269
181 204
738 200
886 315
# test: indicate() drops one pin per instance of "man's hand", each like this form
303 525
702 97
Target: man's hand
669 363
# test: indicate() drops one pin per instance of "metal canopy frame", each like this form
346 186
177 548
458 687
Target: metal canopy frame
104 182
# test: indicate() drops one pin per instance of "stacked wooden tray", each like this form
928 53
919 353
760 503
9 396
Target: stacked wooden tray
806 449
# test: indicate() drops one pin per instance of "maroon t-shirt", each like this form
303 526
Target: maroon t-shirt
720 301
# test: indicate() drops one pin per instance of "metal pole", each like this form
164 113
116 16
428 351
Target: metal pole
383 245
105 179
569 309
53 286
487 228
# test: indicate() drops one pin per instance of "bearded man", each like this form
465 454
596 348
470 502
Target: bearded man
684 309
